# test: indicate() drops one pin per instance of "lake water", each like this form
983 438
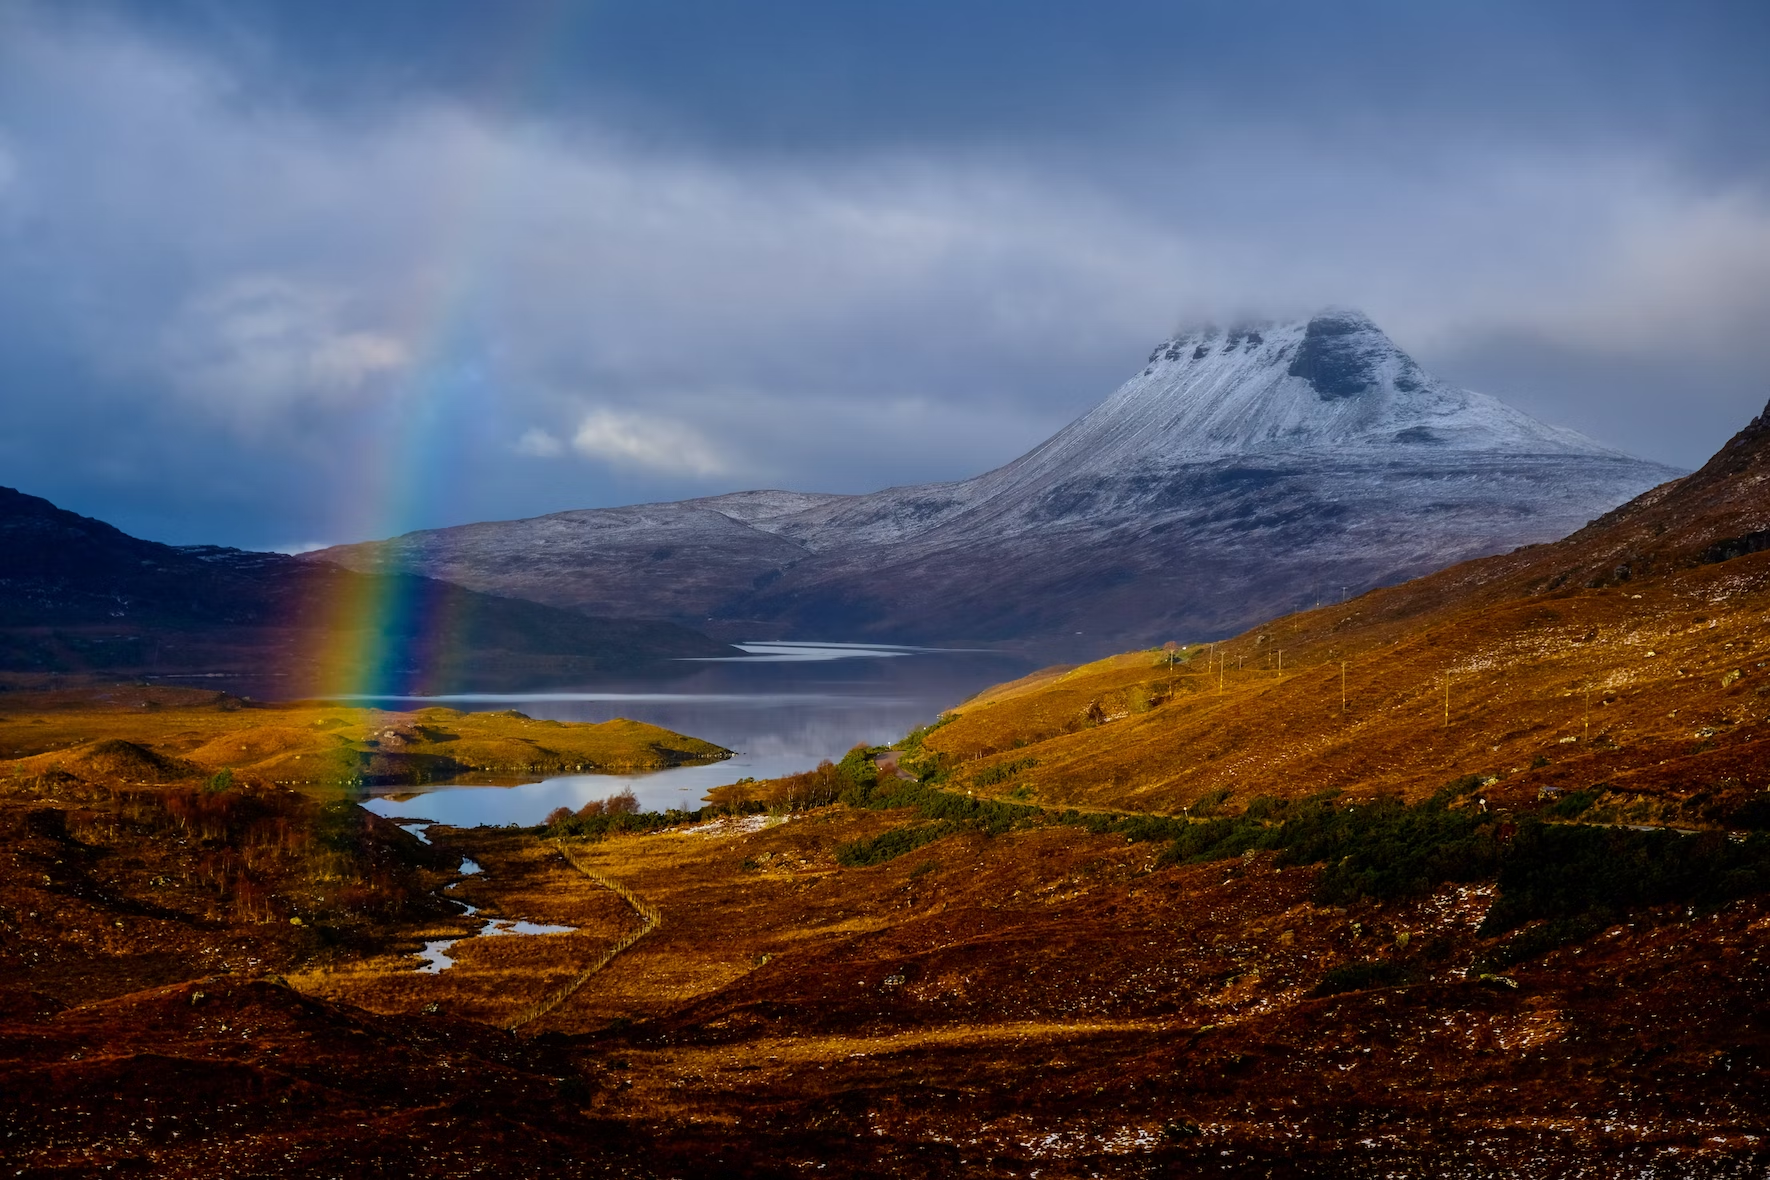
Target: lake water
783 708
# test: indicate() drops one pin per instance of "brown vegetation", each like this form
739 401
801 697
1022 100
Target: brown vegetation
1051 969
1624 659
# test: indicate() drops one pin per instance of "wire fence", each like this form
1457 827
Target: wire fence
649 919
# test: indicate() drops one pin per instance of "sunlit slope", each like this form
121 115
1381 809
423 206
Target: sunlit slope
1654 614
135 735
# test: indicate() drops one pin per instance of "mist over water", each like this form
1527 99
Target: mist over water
783 709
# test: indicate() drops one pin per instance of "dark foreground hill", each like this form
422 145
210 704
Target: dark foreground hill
1241 474
79 596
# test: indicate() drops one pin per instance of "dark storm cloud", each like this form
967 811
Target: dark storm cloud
809 75
270 269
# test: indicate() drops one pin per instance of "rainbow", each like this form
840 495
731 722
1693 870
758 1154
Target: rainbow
385 635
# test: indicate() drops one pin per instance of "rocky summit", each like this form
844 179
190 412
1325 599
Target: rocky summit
1242 473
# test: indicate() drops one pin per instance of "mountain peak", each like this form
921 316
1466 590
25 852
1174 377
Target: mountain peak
1344 354
1331 383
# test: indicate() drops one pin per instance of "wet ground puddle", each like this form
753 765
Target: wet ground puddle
435 955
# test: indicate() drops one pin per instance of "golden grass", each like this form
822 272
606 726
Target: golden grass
1673 670
315 744
494 977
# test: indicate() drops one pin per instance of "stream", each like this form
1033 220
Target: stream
435 955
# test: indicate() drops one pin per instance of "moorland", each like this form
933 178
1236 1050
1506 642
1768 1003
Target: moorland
1468 876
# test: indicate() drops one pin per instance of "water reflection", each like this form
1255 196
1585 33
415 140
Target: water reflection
780 711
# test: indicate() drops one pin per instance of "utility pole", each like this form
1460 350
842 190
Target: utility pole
1221 660
1281 663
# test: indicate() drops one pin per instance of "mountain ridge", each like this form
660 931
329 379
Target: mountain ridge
1618 661
1240 472
80 596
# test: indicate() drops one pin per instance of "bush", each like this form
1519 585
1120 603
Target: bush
812 788
1208 803
594 820
890 845
1574 802
912 742
1001 772
1568 871
1357 977
1383 849
1387 850
1753 814
858 766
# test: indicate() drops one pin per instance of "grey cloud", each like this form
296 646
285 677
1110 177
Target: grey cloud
309 294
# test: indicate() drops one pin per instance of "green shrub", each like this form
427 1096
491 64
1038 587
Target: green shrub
890 845
1383 849
1574 802
858 765
1208 803
1001 772
911 745
1565 871
1386 849
1262 807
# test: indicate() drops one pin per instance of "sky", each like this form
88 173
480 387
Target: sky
279 275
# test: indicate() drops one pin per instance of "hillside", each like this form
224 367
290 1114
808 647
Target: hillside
1243 473
1379 940
1622 660
79 596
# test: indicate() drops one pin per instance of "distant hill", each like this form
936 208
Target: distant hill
1243 473
80 596
1618 667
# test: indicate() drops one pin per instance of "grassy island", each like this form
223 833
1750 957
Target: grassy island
156 735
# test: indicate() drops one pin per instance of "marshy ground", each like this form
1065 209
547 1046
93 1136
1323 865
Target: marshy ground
1048 1000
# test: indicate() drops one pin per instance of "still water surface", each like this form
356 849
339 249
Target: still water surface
783 708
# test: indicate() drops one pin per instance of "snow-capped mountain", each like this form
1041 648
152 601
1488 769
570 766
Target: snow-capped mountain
1334 383
1241 473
